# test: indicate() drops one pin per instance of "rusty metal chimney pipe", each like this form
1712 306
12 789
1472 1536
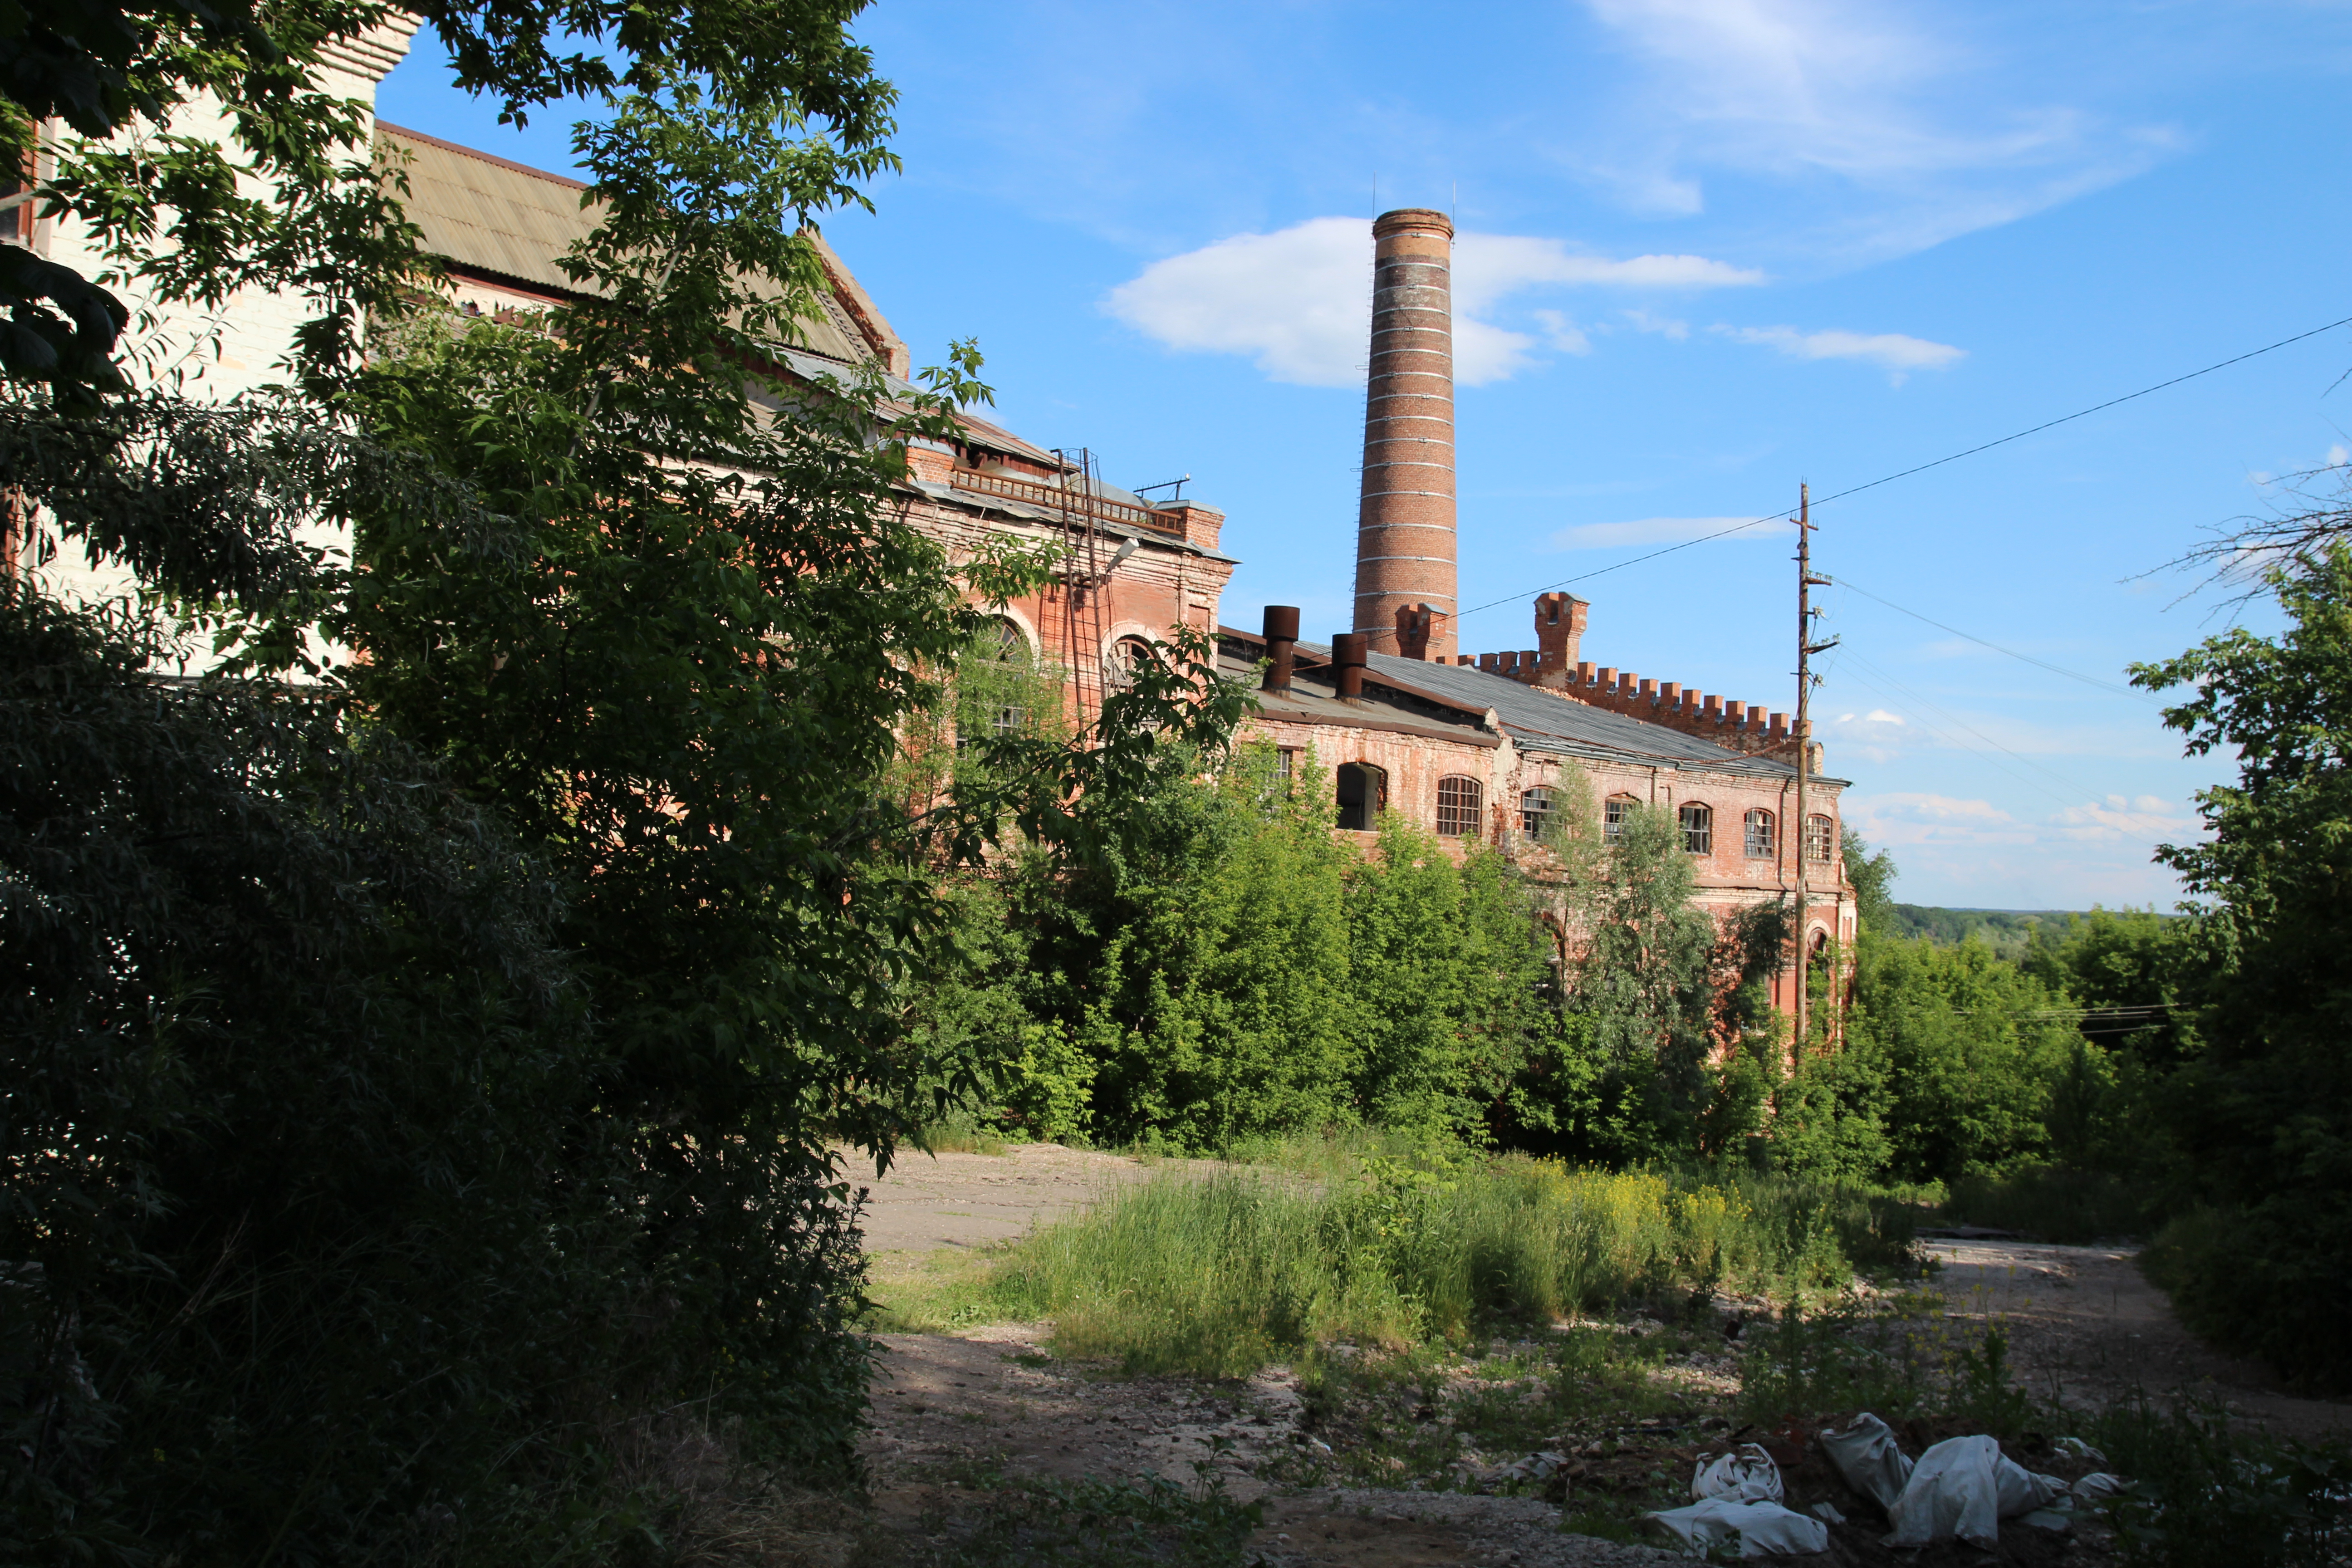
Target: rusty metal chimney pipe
1348 662
1281 638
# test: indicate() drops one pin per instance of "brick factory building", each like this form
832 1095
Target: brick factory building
1474 748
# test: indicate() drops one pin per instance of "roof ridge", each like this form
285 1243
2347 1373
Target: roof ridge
462 151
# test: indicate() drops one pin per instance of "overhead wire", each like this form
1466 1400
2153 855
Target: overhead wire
1847 583
2073 797
1918 468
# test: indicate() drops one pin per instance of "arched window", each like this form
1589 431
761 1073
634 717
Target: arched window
1125 656
1535 812
992 683
1763 836
1820 840
1363 795
1698 829
1614 813
1457 808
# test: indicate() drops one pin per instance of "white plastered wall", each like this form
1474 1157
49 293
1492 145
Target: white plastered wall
244 346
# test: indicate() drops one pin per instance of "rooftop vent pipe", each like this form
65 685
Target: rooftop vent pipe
1281 638
1348 661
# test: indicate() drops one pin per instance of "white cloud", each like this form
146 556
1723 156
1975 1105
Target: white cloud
1910 819
1562 333
1929 129
1877 736
1665 326
1896 352
1299 302
1927 820
1665 530
2135 820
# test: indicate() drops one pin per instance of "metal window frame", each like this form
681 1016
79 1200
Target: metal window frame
1462 784
1704 832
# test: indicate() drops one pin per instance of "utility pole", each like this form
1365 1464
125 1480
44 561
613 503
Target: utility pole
1806 648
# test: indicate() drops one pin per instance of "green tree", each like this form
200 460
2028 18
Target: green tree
1872 875
434 1067
1968 1048
1201 963
2263 1116
1447 966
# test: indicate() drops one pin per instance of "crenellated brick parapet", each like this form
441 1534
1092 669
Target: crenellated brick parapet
1734 725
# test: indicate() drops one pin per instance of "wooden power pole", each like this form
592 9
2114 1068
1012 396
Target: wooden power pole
1806 648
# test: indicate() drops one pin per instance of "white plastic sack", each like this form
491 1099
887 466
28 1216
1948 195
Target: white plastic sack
1963 1486
1865 1455
2097 1485
1762 1529
1748 1476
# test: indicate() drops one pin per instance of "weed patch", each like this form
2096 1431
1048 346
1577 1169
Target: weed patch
1217 1275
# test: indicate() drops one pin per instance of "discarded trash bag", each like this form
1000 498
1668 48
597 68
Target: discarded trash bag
1535 1467
2096 1487
1748 1476
2074 1448
1762 1529
1963 1486
1865 1455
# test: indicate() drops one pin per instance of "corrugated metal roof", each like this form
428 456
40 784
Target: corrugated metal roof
492 215
486 212
1536 721
1545 723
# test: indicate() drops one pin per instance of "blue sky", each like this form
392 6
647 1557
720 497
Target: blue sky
1710 248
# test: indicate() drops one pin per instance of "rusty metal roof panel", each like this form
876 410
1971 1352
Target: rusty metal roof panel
485 212
1537 720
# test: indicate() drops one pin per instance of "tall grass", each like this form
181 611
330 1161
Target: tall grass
1218 1274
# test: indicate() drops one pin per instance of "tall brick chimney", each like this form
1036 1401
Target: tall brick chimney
1404 530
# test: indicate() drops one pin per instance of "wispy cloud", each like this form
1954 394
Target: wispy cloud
1299 302
1665 530
1892 352
1877 736
1882 99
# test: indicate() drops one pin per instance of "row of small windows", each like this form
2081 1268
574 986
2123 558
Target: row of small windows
1363 795
1759 835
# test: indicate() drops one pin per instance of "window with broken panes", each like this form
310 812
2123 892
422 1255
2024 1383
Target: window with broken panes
1457 808
1821 838
1762 841
1698 829
1614 810
1535 812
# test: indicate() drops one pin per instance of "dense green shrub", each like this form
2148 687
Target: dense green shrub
1969 1048
312 1236
2262 1116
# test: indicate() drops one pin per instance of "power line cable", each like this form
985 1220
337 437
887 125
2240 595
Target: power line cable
1919 468
1852 586
2071 801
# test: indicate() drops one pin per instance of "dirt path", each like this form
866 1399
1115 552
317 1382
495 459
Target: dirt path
952 1412
2084 1325
933 1201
